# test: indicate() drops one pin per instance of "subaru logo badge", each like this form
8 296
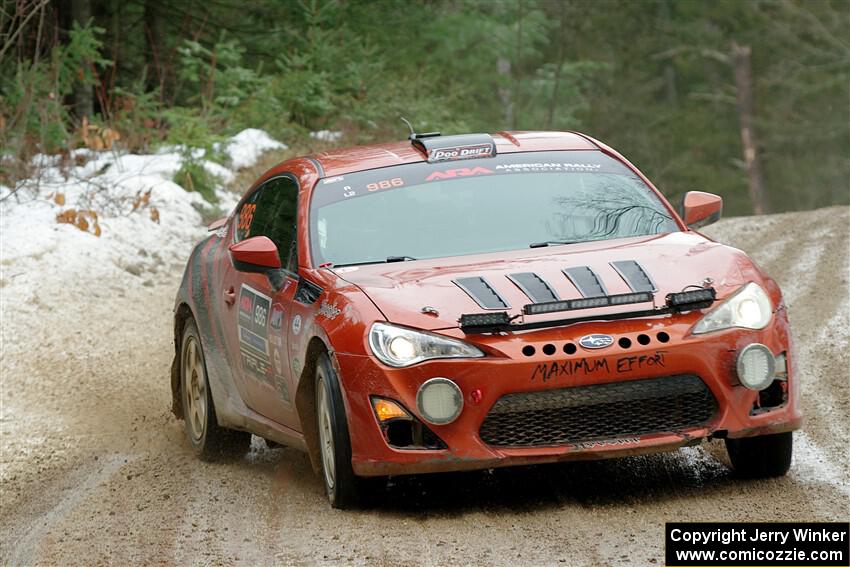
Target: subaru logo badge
596 341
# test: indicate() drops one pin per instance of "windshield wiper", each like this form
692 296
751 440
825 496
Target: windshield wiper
387 261
551 243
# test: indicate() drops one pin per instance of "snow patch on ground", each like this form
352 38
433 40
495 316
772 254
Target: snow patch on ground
148 223
326 135
246 147
813 465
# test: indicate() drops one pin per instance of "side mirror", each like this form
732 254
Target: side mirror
701 209
255 254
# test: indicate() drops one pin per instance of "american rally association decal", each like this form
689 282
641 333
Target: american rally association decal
253 316
548 167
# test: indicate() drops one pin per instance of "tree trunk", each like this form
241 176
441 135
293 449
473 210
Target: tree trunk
503 68
517 67
153 41
553 103
83 92
670 90
744 88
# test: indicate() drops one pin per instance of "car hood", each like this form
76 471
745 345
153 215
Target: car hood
424 293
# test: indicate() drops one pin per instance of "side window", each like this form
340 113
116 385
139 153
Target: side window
271 211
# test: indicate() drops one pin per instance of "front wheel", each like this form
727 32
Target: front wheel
343 487
761 457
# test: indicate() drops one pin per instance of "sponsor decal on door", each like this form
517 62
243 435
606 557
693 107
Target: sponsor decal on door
253 320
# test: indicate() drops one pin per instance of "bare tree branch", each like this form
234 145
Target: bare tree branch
13 35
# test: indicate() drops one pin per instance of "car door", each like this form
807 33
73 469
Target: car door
259 303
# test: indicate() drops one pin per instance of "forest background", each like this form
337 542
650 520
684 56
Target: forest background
746 99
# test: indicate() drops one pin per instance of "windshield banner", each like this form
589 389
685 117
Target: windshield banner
362 183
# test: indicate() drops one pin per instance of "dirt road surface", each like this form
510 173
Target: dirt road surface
95 470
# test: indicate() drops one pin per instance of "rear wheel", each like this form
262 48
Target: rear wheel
343 487
207 438
761 457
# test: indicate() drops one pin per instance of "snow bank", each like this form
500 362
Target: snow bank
146 222
246 147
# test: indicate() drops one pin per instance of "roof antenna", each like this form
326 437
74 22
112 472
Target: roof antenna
413 135
410 127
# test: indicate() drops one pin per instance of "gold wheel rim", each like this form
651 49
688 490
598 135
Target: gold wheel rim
326 440
195 386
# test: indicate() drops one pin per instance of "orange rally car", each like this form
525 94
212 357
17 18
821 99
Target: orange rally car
463 302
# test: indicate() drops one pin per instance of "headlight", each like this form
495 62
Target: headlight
748 308
399 347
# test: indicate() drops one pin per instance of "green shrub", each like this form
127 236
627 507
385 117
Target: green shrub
137 115
193 176
188 127
33 91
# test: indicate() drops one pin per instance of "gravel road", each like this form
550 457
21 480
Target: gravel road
95 470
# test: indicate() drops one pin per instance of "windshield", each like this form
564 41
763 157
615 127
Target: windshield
508 202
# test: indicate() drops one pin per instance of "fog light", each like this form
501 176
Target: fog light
756 366
439 400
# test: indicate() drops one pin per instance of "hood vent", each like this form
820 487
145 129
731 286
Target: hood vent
482 292
534 287
586 281
634 275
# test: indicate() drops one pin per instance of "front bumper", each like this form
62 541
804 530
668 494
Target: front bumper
507 370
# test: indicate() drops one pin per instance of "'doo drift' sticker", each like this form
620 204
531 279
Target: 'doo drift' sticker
462 152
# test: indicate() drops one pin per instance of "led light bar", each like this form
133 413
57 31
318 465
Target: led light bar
586 303
480 320
691 300
626 298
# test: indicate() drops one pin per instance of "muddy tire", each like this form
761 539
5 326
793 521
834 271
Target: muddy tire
761 457
209 441
344 488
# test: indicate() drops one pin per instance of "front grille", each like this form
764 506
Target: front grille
599 412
